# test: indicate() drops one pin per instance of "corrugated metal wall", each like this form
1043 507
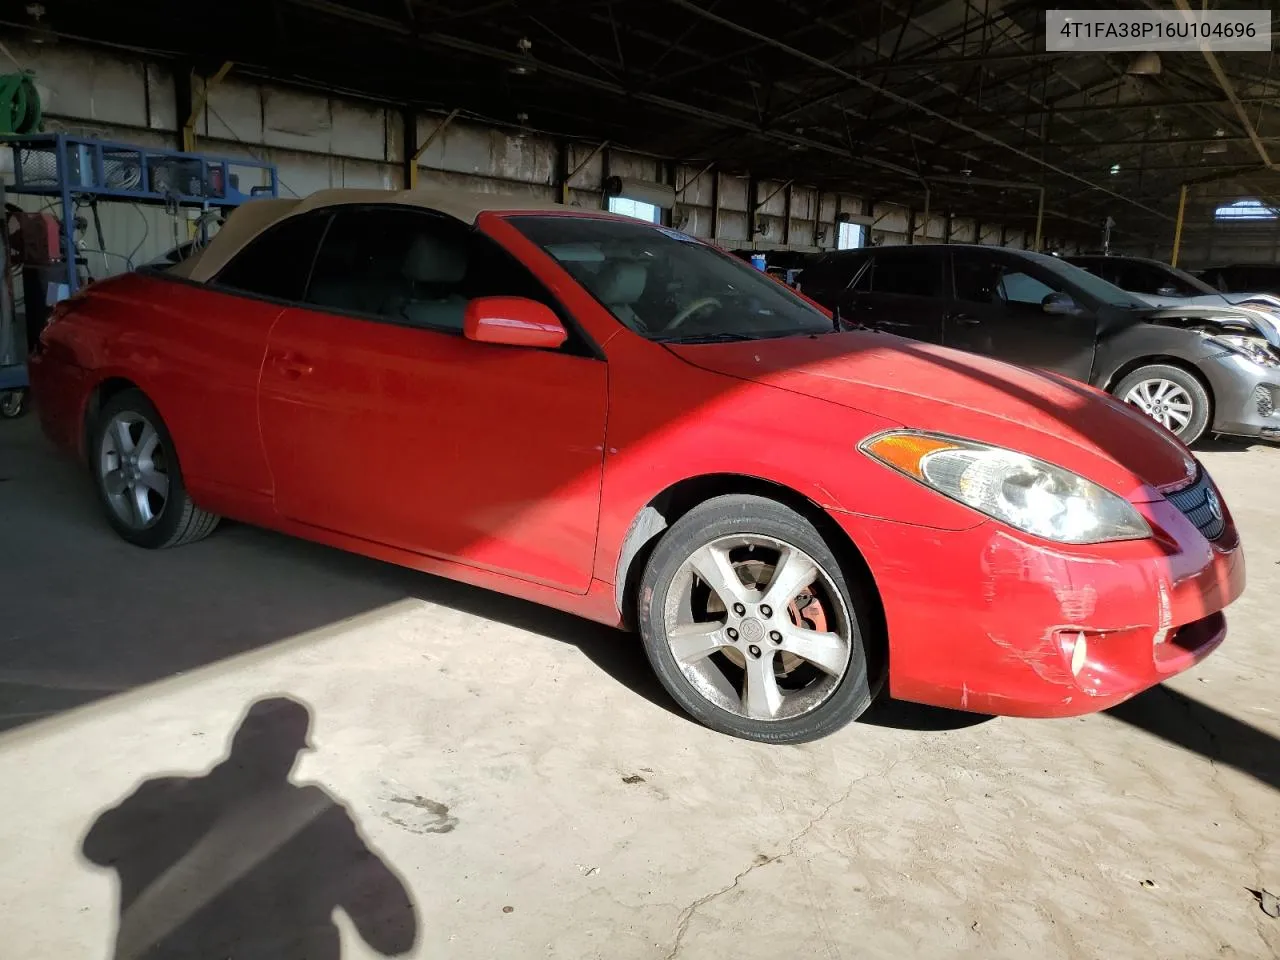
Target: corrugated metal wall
320 141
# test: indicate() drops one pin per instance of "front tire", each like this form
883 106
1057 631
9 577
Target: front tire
1171 396
139 481
750 625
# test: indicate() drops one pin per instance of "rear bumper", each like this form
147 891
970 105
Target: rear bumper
1246 396
59 389
988 619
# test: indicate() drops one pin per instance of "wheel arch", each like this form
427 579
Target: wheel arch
668 506
1165 360
102 392
1156 359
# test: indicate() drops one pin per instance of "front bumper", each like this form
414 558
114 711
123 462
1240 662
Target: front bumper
989 619
1246 396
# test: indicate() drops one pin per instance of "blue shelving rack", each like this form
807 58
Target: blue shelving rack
71 169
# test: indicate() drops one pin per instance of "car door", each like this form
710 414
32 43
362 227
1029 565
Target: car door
382 421
901 292
999 311
218 333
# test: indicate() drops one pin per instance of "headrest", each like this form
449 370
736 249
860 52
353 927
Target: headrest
430 261
621 284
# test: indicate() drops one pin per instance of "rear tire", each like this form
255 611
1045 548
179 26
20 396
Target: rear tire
720 648
13 403
1171 396
139 480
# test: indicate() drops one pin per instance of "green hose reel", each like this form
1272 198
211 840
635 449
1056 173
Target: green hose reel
19 104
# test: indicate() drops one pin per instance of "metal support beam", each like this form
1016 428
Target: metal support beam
582 165
692 180
1039 222
198 105
408 166
776 191
422 148
753 195
715 206
911 226
906 101
1230 91
1177 226
786 218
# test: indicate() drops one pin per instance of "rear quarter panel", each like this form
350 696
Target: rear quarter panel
196 353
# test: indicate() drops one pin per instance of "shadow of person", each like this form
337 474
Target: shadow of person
244 864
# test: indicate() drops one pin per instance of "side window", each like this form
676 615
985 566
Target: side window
413 267
1022 288
911 276
278 261
977 278
983 280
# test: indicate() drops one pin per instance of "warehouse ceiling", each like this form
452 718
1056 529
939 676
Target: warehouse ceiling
879 98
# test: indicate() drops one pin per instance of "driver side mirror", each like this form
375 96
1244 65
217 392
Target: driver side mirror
1059 305
513 321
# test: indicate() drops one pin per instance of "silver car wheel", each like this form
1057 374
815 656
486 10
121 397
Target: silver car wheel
758 627
133 471
1164 401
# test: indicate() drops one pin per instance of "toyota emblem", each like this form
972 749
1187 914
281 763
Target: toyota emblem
1214 504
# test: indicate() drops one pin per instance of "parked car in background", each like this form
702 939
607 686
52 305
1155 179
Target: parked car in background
1161 285
1194 369
617 420
1243 277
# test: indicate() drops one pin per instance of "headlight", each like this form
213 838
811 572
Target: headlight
1255 348
1026 493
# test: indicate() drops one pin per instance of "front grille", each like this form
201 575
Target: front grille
1266 403
1200 504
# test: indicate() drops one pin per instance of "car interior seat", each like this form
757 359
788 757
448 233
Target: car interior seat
434 270
619 286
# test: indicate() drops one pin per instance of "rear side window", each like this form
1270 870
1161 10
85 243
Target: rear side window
909 276
277 263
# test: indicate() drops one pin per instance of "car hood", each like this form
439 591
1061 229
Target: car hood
1219 317
926 387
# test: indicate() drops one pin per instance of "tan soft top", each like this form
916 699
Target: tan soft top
249 220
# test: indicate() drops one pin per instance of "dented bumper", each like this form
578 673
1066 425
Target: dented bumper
995 621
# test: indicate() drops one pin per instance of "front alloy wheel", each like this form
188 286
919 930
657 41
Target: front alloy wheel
750 625
1171 396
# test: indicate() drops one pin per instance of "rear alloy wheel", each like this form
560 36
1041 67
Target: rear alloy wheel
1171 396
138 479
13 403
750 625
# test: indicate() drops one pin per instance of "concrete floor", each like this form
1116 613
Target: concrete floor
524 778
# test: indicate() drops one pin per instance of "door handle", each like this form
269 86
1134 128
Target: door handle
291 365
968 319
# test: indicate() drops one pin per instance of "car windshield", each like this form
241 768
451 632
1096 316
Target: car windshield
1094 287
667 286
1189 279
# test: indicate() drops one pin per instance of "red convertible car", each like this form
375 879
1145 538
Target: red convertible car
614 419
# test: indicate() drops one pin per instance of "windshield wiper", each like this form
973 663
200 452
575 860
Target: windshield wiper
705 338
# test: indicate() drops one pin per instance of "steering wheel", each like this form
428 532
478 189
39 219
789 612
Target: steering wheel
690 310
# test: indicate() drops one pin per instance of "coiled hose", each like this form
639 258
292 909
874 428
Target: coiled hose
19 104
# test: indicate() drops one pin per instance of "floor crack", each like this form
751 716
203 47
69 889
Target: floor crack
687 914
